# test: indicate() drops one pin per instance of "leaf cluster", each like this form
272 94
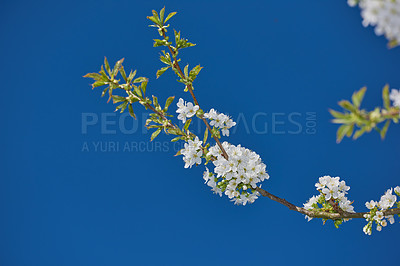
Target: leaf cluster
135 89
356 121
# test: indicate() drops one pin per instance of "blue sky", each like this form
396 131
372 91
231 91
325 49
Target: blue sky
274 66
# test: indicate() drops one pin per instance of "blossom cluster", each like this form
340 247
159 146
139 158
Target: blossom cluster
395 97
312 204
220 121
376 214
383 14
238 176
192 152
186 110
333 196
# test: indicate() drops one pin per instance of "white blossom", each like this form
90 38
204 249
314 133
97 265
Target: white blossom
352 2
384 15
383 223
330 192
238 177
309 205
220 121
192 152
186 110
378 216
390 218
367 229
346 206
323 181
377 209
387 200
397 190
395 97
207 175
313 200
331 189
370 205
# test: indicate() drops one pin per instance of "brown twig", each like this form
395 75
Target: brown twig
321 214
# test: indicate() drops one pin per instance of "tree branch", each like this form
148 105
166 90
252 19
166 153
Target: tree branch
340 214
190 88
321 214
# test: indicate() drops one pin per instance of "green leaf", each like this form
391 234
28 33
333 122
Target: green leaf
131 76
215 132
103 74
104 91
152 126
175 139
166 58
337 223
123 74
187 124
155 134
359 133
122 106
348 106
155 15
200 113
175 131
153 19
161 71
131 111
140 79
155 101
205 136
194 72
177 36
138 92
342 131
181 42
170 15
350 130
107 65
340 121
385 129
385 96
178 153
393 43
143 86
98 84
162 14
117 99
337 114
358 96
94 76
110 91
117 67
186 71
158 43
168 102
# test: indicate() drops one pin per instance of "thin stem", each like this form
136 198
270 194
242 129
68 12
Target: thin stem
190 88
161 115
147 105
